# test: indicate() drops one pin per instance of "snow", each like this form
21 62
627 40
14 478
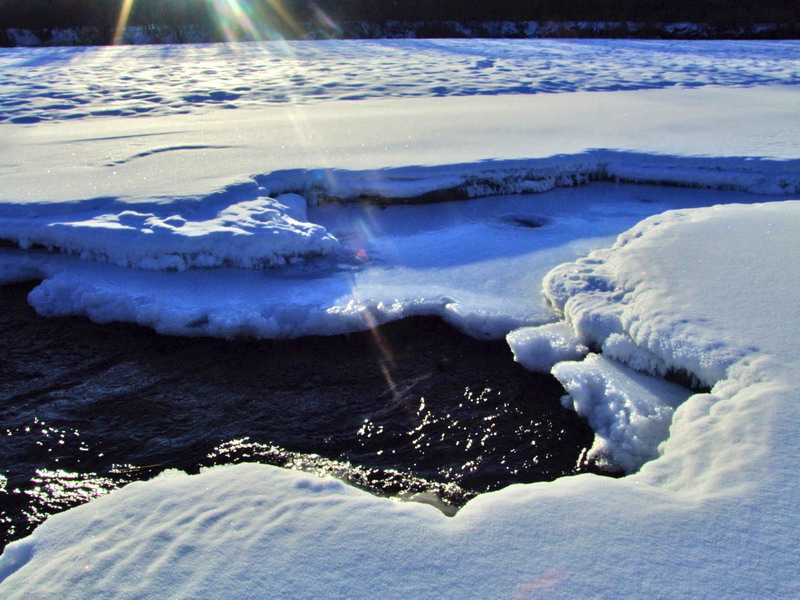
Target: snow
188 191
477 263
629 412
168 80
540 348
611 279
250 234
247 216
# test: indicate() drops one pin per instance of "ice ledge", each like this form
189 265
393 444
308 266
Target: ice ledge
697 291
250 234
421 184
263 222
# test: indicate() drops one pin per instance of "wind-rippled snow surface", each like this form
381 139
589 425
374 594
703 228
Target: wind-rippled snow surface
69 83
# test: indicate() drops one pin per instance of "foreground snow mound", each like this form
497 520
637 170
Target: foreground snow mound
251 234
645 269
714 515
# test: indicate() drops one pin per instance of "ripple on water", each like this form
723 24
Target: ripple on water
427 413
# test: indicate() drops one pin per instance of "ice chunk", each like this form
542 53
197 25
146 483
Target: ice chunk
539 348
630 412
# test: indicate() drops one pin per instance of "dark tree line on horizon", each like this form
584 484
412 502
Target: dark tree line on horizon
103 15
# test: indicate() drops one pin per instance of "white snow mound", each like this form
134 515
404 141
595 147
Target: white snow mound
264 232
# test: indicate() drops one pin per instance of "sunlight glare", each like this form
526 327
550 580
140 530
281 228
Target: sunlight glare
247 20
122 22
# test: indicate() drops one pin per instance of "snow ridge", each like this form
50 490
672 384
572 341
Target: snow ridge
253 234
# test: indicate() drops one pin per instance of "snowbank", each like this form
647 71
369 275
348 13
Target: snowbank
619 300
259 233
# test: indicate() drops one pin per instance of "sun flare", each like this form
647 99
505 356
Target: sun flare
239 20
122 22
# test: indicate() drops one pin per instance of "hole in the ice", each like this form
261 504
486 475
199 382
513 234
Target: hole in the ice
683 378
528 221
427 413
198 322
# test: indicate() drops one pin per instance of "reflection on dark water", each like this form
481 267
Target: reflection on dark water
411 409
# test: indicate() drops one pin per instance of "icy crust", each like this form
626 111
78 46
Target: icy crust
200 307
539 348
630 412
259 233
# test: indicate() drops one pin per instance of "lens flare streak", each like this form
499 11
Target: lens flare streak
244 20
122 22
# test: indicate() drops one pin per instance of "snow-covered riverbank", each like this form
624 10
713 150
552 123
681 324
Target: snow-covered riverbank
116 215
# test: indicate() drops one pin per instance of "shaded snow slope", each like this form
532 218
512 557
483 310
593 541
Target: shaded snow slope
713 516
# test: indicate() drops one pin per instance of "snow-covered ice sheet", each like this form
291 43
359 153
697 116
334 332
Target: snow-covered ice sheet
242 217
713 516
477 263
738 138
206 190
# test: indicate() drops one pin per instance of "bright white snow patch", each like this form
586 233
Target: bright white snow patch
539 348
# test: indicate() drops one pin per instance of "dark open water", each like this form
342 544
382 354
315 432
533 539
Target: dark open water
412 407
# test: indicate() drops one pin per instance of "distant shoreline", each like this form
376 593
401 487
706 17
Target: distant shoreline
183 34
